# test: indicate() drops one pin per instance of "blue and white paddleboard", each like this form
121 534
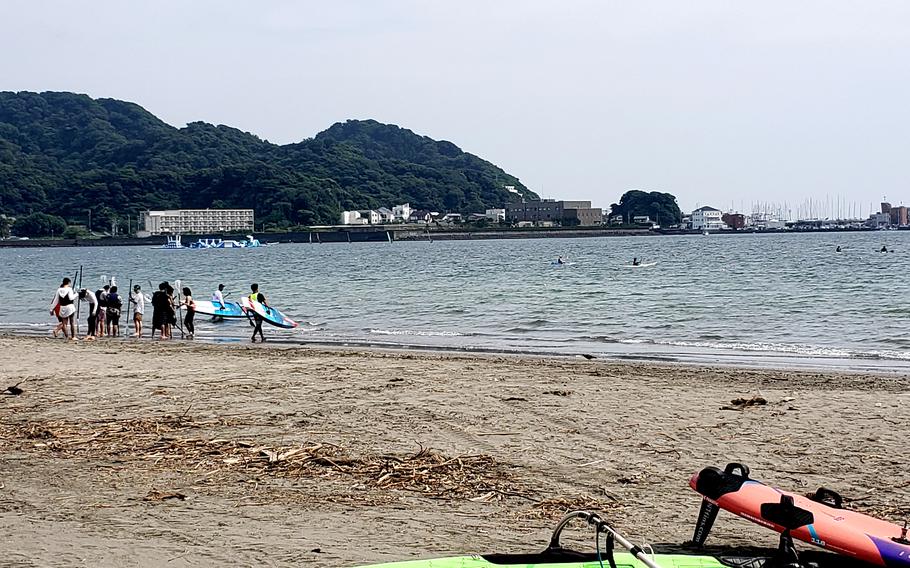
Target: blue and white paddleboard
267 313
228 310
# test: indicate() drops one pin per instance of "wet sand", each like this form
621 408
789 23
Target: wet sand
180 454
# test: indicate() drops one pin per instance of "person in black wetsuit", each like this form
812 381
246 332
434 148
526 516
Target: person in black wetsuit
114 305
159 310
190 312
257 296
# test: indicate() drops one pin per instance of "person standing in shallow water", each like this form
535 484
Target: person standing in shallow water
138 299
190 312
89 296
159 309
170 314
64 307
114 306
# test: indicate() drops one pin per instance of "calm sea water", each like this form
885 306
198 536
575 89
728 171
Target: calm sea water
784 299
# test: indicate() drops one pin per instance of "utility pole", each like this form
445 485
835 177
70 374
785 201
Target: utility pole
89 221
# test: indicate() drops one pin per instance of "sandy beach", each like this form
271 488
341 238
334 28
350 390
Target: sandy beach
123 453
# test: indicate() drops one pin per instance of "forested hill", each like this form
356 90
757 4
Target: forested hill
63 153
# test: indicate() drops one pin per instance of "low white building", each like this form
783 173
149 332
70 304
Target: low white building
352 218
402 212
361 217
386 215
707 218
495 215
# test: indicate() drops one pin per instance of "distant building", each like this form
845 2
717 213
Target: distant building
196 221
879 220
566 213
361 217
899 216
452 218
707 218
386 215
420 216
886 207
402 212
495 215
734 220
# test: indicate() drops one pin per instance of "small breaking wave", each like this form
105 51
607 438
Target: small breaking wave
417 333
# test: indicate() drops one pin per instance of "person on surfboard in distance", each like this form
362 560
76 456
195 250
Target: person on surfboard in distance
560 260
636 261
257 296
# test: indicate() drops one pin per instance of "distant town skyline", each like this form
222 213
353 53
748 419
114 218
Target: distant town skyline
718 103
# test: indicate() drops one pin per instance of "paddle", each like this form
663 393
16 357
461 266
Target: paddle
179 307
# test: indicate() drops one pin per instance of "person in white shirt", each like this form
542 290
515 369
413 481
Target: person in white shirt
138 300
64 307
218 301
89 296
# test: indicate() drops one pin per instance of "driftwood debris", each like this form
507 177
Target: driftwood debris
160 443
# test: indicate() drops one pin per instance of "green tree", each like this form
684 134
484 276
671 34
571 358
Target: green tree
39 225
660 207
75 232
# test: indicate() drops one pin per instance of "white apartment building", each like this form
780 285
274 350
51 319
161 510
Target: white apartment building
707 218
402 212
197 221
362 217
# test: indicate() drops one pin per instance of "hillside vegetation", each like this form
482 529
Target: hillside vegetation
65 154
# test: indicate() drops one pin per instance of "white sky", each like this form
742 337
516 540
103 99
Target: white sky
721 103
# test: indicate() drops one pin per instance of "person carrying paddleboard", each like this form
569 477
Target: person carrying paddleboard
257 296
64 307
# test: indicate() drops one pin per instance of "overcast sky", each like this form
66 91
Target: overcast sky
718 102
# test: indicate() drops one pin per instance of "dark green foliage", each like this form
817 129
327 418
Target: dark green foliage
65 154
660 207
39 225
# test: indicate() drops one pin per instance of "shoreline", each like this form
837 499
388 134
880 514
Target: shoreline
395 233
227 454
623 353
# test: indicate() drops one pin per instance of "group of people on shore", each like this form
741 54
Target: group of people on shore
106 304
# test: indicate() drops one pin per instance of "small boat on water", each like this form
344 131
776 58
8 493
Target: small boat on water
173 243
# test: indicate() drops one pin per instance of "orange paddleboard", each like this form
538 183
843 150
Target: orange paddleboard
846 532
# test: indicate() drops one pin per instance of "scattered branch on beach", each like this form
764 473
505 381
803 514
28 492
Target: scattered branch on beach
432 474
553 509
743 403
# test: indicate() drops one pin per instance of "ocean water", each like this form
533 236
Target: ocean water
777 299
